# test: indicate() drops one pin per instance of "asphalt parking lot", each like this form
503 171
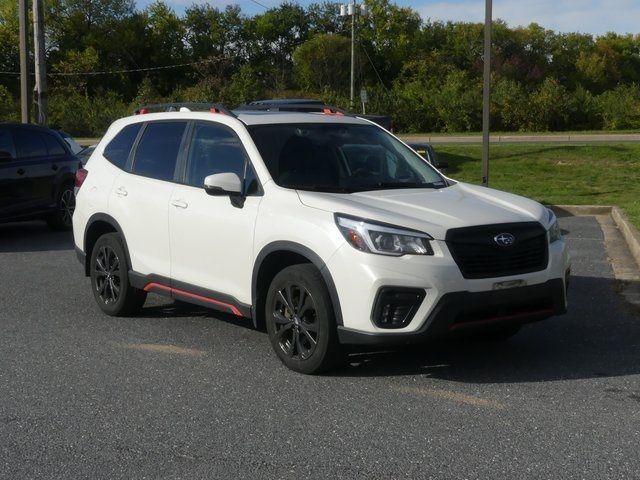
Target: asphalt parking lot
179 393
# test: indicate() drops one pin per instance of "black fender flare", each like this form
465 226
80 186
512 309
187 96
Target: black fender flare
314 258
103 217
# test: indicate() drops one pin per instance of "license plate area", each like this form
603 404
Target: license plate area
509 284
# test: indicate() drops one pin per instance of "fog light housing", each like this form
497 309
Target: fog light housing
395 307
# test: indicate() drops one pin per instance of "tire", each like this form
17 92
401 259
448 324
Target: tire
61 219
110 280
304 339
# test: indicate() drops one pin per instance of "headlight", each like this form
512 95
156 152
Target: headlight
554 230
383 239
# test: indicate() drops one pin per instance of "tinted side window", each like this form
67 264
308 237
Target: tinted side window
6 144
214 149
157 152
53 145
118 149
29 144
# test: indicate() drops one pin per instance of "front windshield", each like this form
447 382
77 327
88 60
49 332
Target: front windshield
340 158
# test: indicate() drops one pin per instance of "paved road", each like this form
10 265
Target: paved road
176 393
477 139
534 138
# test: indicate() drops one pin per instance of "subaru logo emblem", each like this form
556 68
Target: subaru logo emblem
504 239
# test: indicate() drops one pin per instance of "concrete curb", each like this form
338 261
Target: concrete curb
628 231
543 138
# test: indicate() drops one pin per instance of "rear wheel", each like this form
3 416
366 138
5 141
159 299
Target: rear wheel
61 219
300 320
110 280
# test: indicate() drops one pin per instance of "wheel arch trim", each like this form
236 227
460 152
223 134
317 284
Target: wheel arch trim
103 217
306 252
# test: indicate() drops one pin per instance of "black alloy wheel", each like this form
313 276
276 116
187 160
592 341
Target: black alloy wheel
301 321
62 217
67 206
294 313
109 272
108 275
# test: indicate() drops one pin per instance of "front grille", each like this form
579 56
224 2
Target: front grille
478 255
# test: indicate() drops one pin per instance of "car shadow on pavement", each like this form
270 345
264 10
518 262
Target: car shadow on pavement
599 337
163 307
33 237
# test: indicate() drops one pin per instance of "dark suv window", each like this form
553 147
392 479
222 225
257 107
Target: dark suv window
214 149
157 152
29 144
118 149
7 149
53 145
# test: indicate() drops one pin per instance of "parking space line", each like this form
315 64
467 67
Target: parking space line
163 348
457 397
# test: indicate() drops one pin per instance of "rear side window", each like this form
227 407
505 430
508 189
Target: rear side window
214 149
7 149
118 149
53 145
157 151
29 144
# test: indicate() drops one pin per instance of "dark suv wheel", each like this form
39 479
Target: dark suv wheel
61 219
110 279
300 320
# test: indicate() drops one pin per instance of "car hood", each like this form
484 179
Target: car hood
433 211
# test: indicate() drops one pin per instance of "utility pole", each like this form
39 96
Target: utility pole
350 10
486 92
24 61
40 61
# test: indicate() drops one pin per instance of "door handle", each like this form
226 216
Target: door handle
121 191
21 171
179 203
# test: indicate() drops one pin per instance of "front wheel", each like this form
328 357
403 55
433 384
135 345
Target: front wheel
110 278
301 322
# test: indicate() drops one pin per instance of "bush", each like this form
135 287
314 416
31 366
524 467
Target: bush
459 103
82 116
620 108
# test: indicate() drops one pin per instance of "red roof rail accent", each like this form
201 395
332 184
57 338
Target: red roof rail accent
329 111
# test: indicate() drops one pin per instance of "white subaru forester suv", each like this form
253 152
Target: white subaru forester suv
325 229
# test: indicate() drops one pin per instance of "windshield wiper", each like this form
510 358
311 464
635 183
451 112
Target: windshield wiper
313 188
401 185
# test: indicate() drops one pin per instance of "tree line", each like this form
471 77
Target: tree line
106 57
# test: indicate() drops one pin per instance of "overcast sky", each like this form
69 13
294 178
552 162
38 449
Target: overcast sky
592 16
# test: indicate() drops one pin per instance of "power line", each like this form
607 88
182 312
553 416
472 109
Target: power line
374 68
261 4
116 72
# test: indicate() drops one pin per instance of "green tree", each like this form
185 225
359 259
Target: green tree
620 108
322 63
458 103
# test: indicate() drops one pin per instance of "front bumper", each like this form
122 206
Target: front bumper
359 276
469 311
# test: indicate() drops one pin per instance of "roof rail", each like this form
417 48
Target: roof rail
294 106
191 106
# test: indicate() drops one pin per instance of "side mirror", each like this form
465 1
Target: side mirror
5 156
442 165
223 184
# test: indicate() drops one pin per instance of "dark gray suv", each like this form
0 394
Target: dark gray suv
37 172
